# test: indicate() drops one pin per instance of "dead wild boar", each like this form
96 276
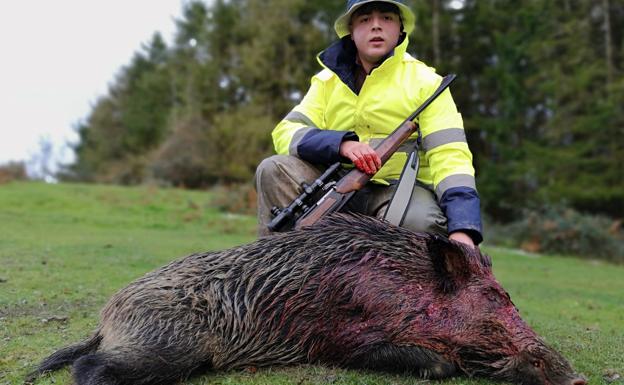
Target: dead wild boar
351 291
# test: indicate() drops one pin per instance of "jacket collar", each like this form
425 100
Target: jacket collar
340 59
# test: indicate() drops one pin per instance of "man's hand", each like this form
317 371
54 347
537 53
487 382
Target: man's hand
362 155
462 238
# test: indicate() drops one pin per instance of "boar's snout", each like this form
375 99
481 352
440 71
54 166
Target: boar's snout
541 366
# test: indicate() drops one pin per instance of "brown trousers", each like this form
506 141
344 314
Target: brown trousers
278 181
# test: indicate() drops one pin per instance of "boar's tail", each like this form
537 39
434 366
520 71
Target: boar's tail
134 365
64 357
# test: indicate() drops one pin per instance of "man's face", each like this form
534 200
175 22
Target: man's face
375 34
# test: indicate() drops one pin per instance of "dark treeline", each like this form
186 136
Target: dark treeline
540 87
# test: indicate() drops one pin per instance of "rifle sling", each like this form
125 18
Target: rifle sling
397 208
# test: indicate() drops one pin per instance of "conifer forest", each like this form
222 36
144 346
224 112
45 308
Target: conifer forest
540 87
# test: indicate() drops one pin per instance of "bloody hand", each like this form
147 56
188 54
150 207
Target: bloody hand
362 155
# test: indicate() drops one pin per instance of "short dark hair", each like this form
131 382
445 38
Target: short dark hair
380 6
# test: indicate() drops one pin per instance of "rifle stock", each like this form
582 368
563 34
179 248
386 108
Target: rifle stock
355 179
329 203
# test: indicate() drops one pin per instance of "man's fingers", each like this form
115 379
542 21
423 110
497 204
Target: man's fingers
361 165
372 157
363 157
377 161
370 162
367 166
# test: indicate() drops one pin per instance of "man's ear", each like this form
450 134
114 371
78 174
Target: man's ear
450 262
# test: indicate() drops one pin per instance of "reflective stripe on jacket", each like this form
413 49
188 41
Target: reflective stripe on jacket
333 110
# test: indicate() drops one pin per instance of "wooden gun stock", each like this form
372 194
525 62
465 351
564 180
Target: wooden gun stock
355 179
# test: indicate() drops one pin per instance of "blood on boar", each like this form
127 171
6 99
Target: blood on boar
352 291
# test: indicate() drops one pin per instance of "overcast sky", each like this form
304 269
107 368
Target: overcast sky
58 56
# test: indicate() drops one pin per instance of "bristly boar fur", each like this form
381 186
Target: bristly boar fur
351 291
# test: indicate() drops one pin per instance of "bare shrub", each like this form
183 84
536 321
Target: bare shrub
13 171
235 198
562 230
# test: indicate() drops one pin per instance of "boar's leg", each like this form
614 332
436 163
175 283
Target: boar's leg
131 367
413 359
64 357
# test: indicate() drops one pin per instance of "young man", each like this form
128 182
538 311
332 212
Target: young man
368 86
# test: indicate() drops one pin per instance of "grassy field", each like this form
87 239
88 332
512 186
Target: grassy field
65 249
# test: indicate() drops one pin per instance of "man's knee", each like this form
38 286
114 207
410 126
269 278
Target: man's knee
270 168
287 169
432 222
424 213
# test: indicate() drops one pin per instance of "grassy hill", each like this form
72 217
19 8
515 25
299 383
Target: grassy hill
66 248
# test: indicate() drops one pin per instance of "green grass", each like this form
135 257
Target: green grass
65 249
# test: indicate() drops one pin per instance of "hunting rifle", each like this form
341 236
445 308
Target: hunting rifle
300 212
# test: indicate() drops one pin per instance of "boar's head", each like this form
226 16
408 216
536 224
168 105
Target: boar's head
486 335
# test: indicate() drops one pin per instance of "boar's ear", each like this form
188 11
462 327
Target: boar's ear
450 262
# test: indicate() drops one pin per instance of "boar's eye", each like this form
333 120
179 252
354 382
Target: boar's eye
494 296
538 364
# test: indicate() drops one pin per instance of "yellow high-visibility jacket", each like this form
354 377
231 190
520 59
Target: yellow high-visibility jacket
333 110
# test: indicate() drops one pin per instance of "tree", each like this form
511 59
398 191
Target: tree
125 125
540 87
